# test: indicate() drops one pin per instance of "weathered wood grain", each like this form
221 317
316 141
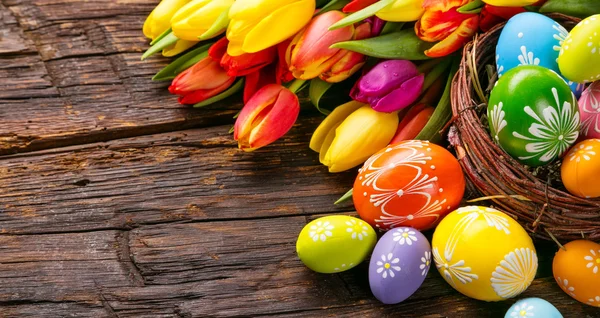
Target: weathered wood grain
180 176
213 269
70 73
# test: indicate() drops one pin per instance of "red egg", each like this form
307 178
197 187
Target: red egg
411 183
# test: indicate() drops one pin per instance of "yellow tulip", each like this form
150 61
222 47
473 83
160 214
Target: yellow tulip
510 3
351 134
259 24
402 11
197 17
159 19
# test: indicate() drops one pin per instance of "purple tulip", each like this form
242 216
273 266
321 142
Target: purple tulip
389 86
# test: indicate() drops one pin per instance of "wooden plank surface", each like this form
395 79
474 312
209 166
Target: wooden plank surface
111 205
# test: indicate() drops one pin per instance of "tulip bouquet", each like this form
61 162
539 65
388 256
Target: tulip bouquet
399 57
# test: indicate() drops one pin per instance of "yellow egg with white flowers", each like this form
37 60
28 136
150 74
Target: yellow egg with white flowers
484 253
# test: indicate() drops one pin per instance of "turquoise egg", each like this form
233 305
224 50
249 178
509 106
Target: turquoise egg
532 39
533 307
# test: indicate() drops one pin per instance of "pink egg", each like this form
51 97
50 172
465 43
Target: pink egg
589 110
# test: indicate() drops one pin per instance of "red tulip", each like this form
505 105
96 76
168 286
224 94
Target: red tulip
200 82
492 15
283 73
267 116
244 64
259 79
413 122
357 5
442 22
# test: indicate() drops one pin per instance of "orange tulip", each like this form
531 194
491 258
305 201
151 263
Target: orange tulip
442 22
413 122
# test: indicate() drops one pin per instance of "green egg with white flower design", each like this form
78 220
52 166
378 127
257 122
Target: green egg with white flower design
533 115
335 243
579 57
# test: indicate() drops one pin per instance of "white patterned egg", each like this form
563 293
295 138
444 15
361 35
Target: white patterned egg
531 39
335 243
533 307
484 253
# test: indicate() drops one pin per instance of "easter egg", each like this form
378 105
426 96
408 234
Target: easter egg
335 243
533 115
531 39
533 307
579 57
484 254
589 110
411 183
576 269
399 264
580 169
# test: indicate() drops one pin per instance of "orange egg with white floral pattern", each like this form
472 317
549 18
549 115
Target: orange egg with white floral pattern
411 183
576 269
581 168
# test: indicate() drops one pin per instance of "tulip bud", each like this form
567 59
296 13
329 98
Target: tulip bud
197 17
351 134
511 3
244 64
389 86
350 62
258 24
442 22
159 19
413 122
267 116
202 81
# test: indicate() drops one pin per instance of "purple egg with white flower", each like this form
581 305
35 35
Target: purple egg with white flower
399 264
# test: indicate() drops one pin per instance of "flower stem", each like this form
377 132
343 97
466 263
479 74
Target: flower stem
296 85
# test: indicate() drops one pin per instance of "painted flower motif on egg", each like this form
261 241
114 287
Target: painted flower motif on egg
579 58
398 268
533 307
335 243
576 269
462 254
531 39
580 169
589 110
411 183
533 115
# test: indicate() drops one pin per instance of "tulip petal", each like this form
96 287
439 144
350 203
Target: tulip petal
159 19
443 5
177 48
362 134
356 5
257 80
456 40
401 97
247 63
197 17
402 11
218 50
413 123
279 25
201 95
331 121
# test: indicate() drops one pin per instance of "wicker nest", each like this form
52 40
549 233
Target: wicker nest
535 197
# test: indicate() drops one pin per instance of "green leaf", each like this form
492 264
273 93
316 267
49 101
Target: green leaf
362 14
473 7
182 63
333 5
232 90
162 35
391 27
442 114
345 197
162 44
403 45
217 27
317 89
436 72
231 130
576 8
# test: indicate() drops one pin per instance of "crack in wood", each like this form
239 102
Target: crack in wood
128 259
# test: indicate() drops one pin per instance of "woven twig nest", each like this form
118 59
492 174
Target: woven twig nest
535 197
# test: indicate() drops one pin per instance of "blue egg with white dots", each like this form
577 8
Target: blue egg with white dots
532 307
532 39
